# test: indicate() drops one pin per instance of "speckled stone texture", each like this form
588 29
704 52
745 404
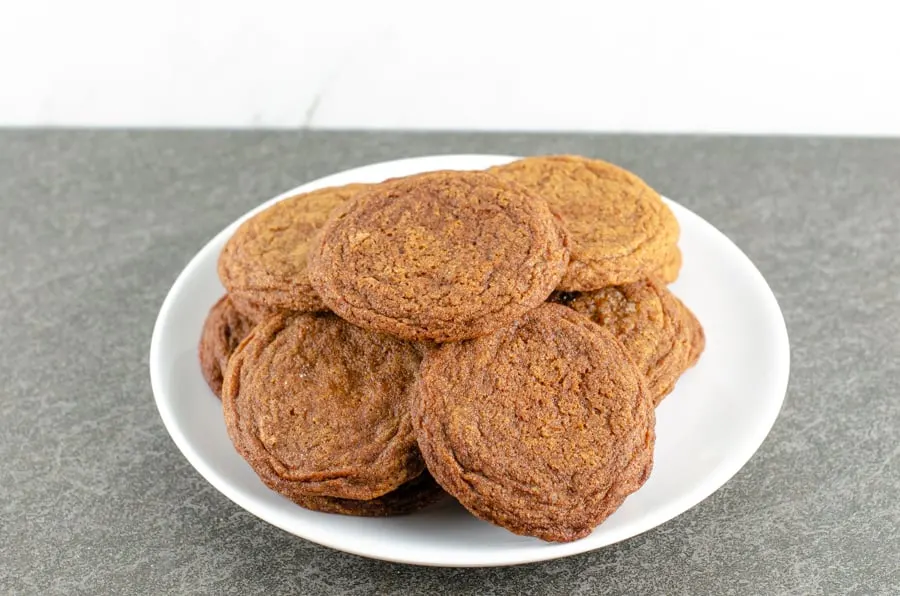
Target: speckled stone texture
95 498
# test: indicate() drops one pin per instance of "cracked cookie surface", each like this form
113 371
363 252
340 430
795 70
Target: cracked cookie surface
441 256
319 407
263 265
223 330
619 228
543 427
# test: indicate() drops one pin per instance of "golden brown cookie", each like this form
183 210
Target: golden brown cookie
418 493
698 336
263 265
441 256
319 407
649 321
255 311
670 269
223 330
620 229
543 427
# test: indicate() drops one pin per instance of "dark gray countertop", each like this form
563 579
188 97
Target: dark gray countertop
95 497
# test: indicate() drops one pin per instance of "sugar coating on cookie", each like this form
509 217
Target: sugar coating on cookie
263 265
319 407
543 427
223 330
620 230
649 321
441 256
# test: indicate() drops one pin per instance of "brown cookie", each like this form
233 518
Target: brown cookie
649 321
620 229
223 330
263 265
543 427
698 336
441 256
669 270
254 311
418 493
319 407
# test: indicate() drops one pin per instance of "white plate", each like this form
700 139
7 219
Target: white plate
707 429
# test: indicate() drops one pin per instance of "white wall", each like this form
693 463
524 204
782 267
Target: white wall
652 65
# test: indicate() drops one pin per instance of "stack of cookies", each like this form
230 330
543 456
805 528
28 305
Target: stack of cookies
502 336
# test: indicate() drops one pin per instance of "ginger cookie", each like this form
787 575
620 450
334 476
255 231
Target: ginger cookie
255 311
223 330
669 270
319 407
649 321
263 265
620 230
418 493
698 336
441 256
543 427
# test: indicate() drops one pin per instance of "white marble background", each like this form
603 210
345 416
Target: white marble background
654 65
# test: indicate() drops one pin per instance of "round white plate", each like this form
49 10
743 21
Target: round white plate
707 429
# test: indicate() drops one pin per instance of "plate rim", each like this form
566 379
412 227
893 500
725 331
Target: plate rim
672 509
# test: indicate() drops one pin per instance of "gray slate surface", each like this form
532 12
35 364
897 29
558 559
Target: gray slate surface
95 498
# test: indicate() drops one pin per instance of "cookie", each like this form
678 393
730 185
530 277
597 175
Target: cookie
649 321
223 330
319 407
263 265
671 267
418 493
620 230
543 427
698 336
442 256
255 311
